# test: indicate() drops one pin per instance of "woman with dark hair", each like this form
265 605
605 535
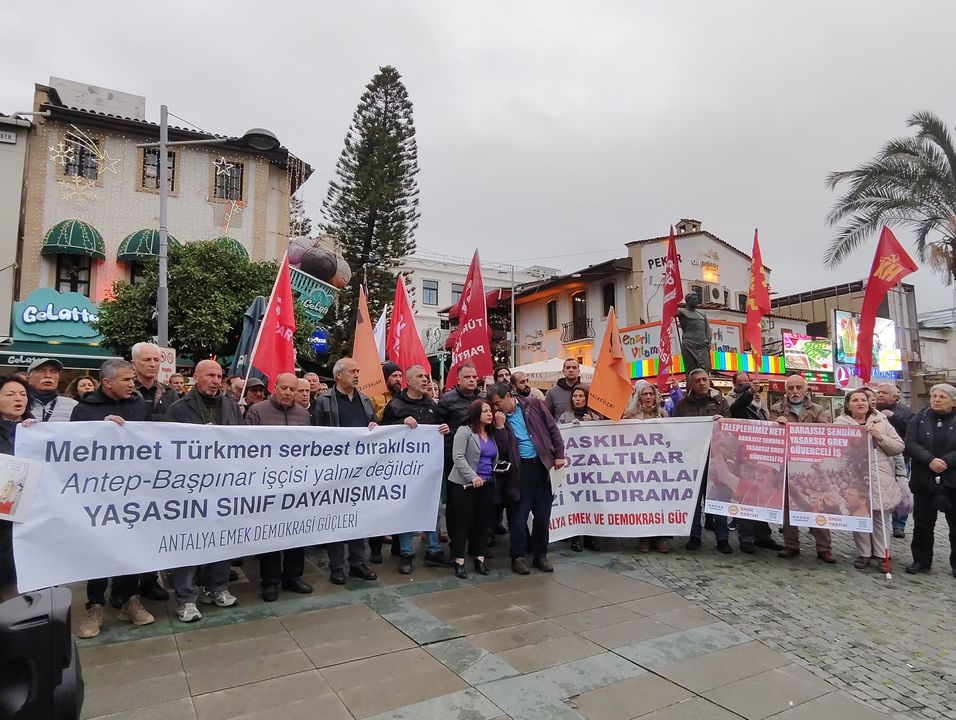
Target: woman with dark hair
471 493
859 411
580 412
14 409
80 387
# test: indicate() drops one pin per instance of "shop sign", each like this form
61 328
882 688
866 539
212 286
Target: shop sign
47 315
846 377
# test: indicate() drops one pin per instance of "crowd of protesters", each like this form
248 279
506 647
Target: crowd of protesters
500 443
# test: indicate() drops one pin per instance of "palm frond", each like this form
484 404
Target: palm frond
932 128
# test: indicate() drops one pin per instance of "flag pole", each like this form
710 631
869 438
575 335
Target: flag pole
255 345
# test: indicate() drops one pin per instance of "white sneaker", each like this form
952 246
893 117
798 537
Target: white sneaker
188 612
221 598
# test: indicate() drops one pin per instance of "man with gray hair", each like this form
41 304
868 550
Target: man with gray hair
116 400
899 415
345 406
158 396
46 403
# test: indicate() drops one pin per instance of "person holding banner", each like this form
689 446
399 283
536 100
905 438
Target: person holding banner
471 487
282 566
702 400
116 400
538 442
580 412
14 409
345 406
205 405
888 444
413 407
931 443
796 406
645 404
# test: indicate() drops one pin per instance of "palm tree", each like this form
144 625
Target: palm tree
911 182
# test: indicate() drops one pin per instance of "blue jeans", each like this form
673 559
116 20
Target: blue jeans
535 500
720 522
899 521
432 541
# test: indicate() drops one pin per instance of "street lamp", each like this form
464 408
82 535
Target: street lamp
256 138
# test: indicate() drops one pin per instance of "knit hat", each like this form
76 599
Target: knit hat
389 367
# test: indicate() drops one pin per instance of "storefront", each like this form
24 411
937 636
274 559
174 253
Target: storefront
55 325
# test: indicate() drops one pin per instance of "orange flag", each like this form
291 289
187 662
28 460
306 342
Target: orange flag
611 387
365 351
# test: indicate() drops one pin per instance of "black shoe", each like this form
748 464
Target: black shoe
405 565
592 543
482 569
337 577
543 564
362 571
576 544
491 541
438 559
899 533
116 602
375 557
297 585
270 593
500 529
396 550
769 544
233 575
724 547
460 571
153 590
693 544
709 523
519 566
746 547
917 567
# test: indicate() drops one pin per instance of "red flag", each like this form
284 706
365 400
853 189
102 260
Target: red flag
274 353
365 351
890 265
473 343
404 344
758 300
672 298
611 386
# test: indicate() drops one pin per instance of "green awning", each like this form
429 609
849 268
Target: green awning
74 237
74 356
141 246
232 244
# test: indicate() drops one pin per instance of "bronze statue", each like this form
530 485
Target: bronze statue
695 335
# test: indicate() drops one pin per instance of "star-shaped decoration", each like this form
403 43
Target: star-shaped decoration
61 153
223 166
106 163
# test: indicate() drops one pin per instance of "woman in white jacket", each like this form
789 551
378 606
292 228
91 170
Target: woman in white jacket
887 445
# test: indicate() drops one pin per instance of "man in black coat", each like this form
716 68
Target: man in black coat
413 407
116 400
205 405
931 444
345 406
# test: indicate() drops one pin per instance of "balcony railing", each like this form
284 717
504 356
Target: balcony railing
575 330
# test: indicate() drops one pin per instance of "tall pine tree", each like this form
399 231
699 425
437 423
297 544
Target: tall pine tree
372 203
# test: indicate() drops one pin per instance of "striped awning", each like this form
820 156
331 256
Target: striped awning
141 245
74 237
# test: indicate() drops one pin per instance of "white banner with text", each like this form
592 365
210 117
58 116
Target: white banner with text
117 500
633 478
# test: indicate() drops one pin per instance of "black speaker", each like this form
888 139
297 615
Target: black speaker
40 677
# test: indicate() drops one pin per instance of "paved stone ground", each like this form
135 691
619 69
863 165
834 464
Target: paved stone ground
613 635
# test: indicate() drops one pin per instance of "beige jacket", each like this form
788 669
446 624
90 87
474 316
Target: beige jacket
888 445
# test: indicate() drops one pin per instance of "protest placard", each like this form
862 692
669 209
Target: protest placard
828 476
746 476
117 500
633 478
18 481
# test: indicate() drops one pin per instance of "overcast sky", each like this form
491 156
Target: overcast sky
549 132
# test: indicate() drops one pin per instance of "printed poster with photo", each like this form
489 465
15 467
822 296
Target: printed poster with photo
828 468
18 485
746 477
